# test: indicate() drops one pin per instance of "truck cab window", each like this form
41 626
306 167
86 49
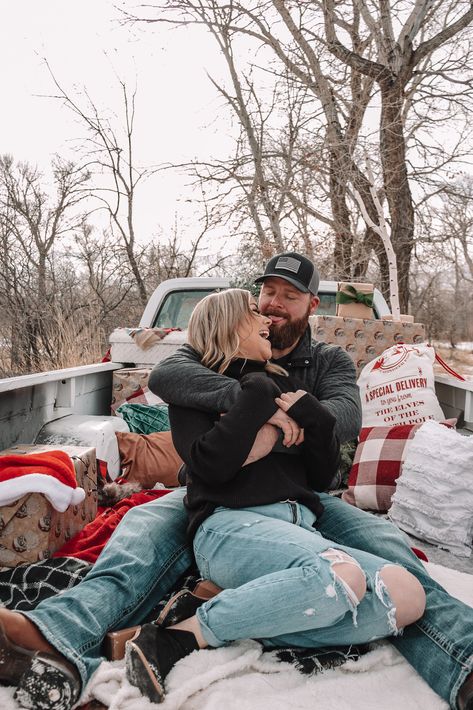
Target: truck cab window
177 308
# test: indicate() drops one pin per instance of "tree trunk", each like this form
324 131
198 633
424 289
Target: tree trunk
372 242
396 183
342 255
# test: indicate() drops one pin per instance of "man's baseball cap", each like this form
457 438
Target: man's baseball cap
295 268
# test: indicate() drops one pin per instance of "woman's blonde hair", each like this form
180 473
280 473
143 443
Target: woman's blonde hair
213 328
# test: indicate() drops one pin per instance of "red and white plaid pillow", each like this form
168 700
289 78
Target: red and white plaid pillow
377 465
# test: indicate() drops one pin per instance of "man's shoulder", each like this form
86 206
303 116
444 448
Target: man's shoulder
332 360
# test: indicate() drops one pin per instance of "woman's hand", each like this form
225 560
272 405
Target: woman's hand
285 402
293 434
264 442
287 399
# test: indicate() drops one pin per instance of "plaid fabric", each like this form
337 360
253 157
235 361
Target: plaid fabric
145 418
377 465
23 587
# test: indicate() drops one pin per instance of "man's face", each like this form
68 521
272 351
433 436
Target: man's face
289 310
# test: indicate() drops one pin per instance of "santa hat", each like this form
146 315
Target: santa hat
51 473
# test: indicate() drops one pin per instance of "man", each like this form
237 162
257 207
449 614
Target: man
51 652
288 297
440 645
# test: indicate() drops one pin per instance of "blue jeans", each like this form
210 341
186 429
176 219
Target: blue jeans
280 586
141 562
148 553
440 645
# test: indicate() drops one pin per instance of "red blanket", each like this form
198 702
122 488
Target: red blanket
90 541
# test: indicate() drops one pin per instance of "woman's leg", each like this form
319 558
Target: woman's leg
285 579
440 644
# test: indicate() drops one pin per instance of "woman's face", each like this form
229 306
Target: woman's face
253 332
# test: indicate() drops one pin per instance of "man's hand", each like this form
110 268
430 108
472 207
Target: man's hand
293 434
263 444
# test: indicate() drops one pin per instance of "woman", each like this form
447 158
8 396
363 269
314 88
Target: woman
253 521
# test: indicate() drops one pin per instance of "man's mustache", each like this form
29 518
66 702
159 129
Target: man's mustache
278 314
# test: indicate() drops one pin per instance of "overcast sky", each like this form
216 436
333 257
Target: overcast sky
179 115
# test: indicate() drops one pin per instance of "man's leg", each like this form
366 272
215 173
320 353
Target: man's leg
143 559
440 645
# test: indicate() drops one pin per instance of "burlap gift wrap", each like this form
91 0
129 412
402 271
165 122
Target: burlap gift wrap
30 528
359 297
365 339
130 385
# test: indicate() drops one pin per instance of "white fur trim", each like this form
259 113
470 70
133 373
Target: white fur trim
59 494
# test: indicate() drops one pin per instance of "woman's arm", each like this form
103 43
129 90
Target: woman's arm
216 451
321 447
181 379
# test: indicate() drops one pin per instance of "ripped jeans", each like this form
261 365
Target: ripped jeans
279 583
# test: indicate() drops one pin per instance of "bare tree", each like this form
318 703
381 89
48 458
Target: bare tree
110 153
33 225
298 57
347 54
393 67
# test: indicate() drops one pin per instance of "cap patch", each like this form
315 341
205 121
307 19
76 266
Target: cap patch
288 263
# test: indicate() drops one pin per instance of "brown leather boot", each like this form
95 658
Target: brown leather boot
43 680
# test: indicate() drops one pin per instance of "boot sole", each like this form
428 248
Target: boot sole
43 683
140 674
45 686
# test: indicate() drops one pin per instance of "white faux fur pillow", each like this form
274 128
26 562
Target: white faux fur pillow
434 495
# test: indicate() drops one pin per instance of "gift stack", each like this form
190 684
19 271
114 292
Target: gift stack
131 385
355 329
47 495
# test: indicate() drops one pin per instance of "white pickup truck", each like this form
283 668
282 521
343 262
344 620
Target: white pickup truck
62 405
29 402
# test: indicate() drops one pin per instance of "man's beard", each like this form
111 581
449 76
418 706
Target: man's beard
287 335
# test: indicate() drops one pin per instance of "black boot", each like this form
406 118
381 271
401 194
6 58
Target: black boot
43 681
185 603
151 654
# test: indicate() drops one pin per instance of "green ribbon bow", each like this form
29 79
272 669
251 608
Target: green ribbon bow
354 296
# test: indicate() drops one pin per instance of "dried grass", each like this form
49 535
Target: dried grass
64 343
458 359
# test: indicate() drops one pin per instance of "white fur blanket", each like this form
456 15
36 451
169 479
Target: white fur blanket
241 677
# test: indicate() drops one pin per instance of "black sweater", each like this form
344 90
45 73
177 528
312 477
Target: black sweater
215 448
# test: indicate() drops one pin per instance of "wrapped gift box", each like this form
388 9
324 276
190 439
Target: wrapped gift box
131 385
365 339
354 309
30 528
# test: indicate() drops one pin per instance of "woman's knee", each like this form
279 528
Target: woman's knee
406 593
348 571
